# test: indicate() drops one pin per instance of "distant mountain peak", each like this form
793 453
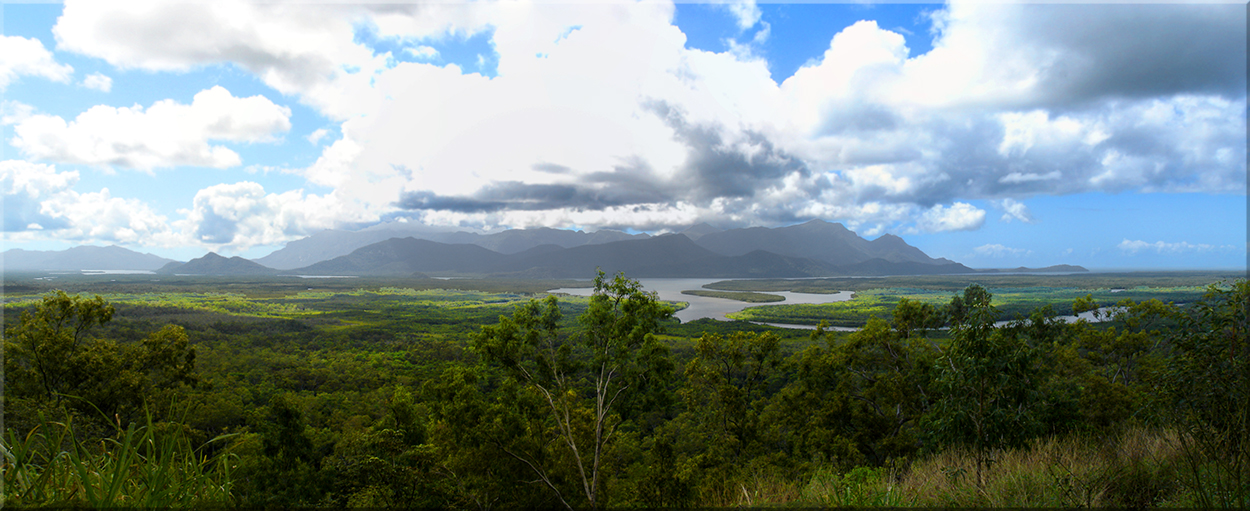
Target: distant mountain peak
700 229
82 257
213 263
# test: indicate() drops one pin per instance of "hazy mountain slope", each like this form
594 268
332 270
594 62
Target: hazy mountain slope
817 239
213 264
328 244
403 256
696 231
627 256
322 246
81 258
893 248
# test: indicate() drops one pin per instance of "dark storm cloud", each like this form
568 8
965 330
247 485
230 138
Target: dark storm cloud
621 189
714 170
1138 51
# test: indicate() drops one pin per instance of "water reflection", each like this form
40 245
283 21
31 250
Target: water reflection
708 307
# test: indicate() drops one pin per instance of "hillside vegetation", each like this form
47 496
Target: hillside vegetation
361 393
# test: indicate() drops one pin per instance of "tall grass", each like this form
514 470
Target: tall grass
1138 468
140 467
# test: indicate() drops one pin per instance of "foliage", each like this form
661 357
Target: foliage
581 382
740 296
1209 383
142 467
386 394
986 383
52 360
727 390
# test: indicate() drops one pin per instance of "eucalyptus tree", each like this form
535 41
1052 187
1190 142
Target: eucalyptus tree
583 379
986 382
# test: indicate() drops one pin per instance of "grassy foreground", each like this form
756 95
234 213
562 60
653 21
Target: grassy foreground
1138 468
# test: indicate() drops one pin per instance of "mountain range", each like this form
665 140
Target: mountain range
80 258
813 249
329 244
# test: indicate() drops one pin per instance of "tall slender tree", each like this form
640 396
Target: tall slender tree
583 379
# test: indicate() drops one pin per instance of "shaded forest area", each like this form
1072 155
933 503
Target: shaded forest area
420 397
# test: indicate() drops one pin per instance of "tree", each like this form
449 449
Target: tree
859 398
43 346
583 381
1208 380
986 382
727 386
50 355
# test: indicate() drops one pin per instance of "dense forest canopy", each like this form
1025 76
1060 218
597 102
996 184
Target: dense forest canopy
408 397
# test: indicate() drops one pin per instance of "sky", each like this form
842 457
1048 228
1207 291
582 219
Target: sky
993 134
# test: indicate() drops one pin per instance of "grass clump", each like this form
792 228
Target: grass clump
141 466
1135 469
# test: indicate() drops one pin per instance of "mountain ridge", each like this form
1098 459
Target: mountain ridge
83 257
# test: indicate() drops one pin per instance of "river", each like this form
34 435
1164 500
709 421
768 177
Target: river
716 308
708 307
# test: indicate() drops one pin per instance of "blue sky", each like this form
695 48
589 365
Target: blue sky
993 134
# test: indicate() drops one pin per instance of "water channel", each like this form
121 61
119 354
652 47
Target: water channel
716 308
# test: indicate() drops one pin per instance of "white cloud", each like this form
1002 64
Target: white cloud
167 134
630 117
98 82
1162 247
293 47
20 56
422 52
745 11
998 251
1013 210
13 112
958 217
317 135
37 197
241 215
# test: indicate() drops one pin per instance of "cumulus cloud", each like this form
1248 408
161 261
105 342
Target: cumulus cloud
1014 210
21 56
957 217
998 251
240 215
98 82
291 46
1162 247
1014 100
39 199
25 186
167 134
